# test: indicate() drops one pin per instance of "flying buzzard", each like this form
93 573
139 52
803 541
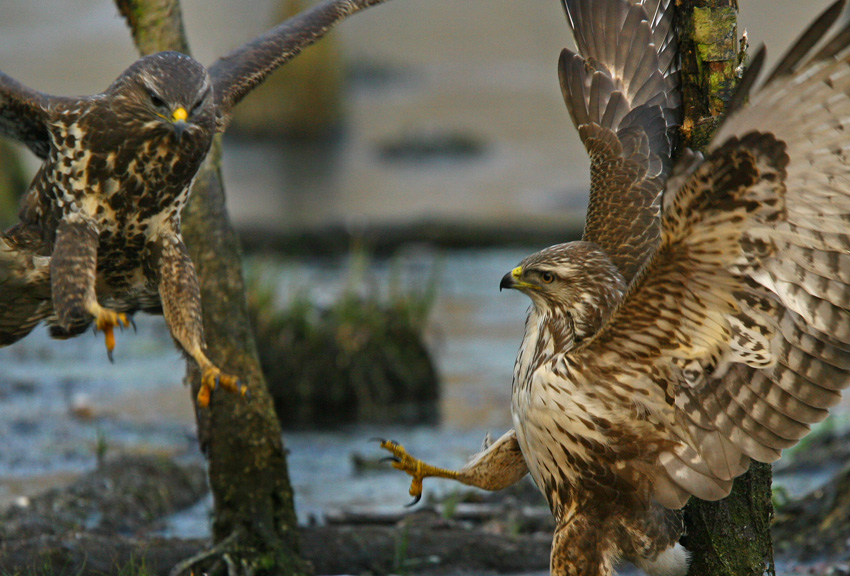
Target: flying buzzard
99 232
655 370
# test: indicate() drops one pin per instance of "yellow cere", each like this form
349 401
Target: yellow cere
179 115
516 272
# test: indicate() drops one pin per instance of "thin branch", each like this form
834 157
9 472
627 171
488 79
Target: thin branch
185 567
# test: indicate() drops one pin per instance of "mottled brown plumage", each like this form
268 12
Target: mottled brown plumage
632 394
99 232
622 92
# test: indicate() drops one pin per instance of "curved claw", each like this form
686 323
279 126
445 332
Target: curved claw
204 396
418 470
105 321
212 378
416 500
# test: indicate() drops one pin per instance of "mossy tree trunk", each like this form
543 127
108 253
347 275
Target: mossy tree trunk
730 537
254 524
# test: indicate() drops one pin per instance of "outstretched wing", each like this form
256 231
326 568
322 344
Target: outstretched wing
622 92
243 69
24 283
736 336
23 115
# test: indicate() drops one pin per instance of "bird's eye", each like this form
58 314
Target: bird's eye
198 105
547 277
157 101
200 102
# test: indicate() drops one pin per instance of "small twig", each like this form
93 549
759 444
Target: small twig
231 566
186 565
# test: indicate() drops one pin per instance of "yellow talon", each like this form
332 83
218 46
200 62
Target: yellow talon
204 396
416 468
106 321
211 377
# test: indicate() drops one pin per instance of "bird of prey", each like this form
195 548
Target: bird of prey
99 231
655 368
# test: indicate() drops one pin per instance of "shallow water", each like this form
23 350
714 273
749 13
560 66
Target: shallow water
60 398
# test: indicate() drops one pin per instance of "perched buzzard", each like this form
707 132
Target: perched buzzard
99 232
655 369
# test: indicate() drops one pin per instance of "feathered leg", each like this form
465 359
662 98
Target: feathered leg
497 466
73 272
181 306
577 549
651 540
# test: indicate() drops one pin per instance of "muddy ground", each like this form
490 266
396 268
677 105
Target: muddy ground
108 520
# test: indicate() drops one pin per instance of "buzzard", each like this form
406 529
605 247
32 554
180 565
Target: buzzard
654 367
99 231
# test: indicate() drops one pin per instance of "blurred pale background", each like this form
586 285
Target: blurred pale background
483 69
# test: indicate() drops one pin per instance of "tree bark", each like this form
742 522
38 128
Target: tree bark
254 524
730 537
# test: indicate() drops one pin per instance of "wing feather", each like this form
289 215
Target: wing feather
729 424
240 71
23 115
24 283
743 310
787 404
614 85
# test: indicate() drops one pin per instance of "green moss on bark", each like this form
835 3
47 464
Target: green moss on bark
709 47
732 537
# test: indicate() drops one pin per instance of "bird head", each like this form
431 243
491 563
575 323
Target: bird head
575 280
169 94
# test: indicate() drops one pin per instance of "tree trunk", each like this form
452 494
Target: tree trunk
254 524
730 537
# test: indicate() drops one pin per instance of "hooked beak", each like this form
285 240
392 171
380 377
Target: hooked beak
511 279
178 122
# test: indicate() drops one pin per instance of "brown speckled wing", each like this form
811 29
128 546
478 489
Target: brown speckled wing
23 114
622 92
691 311
736 337
24 283
237 73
